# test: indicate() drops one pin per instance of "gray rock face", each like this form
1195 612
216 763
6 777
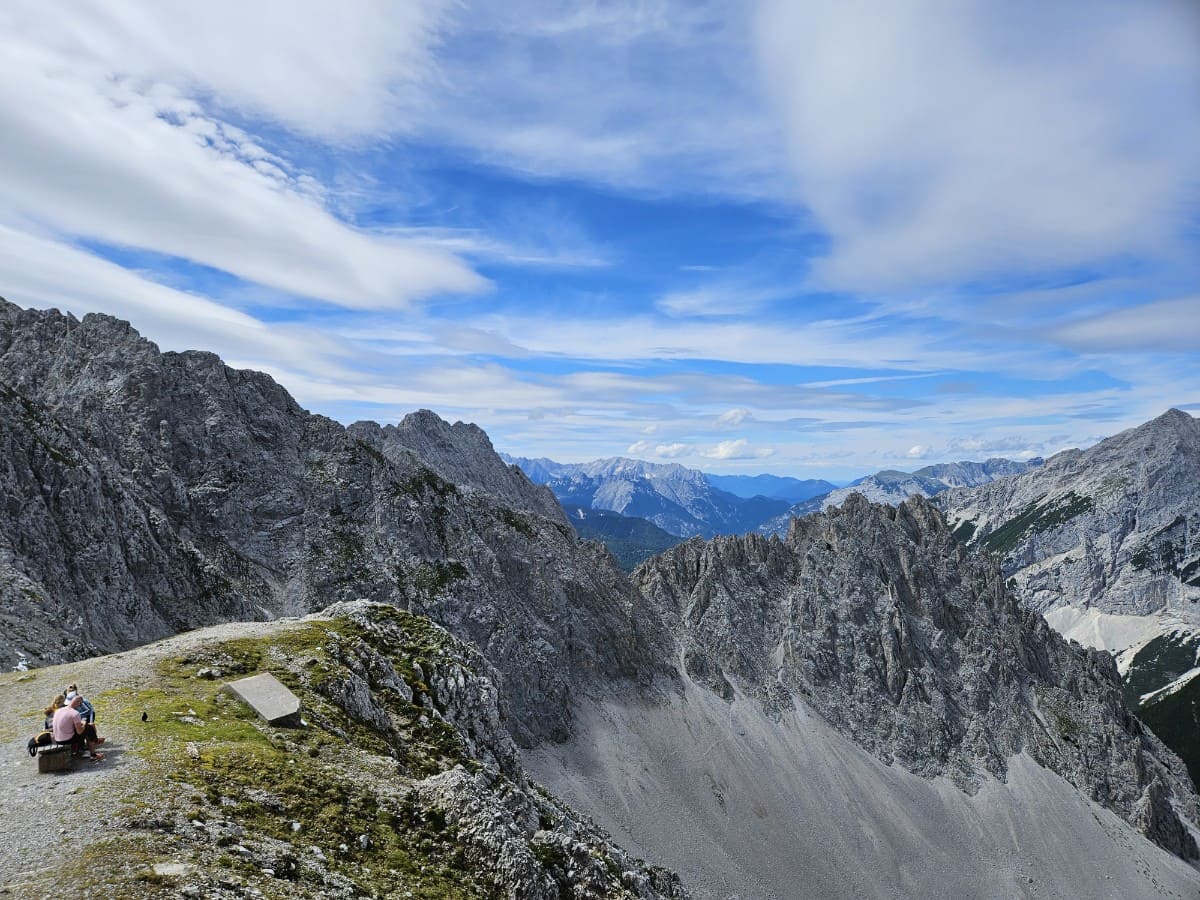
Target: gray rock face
531 845
462 454
1115 527
146 493
908 644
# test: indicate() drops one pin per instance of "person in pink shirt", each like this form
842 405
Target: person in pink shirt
68 728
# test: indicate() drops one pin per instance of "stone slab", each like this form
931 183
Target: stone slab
268 697
54 759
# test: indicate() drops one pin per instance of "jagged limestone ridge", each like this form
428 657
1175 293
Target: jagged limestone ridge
161 491
909 644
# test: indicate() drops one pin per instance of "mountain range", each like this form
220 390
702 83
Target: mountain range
892 486
861 707
686 502
679 500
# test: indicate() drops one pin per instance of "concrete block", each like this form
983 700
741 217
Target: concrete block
54 759
270 698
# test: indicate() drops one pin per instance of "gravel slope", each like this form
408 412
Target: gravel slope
745 807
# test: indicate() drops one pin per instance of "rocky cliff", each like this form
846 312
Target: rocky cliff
148 492
910 645
1115 527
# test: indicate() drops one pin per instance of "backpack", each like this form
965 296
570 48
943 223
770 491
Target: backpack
41 739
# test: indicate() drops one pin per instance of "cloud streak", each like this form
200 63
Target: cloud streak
970 140
140 163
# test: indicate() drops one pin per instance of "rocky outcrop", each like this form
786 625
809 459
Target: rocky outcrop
463 454
149 492
509 835
400 780
910 645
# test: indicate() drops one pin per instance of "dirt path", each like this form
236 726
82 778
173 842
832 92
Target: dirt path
43 817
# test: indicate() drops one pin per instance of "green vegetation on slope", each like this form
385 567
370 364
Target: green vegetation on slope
1172 718
1035 518
1158 663
1175 718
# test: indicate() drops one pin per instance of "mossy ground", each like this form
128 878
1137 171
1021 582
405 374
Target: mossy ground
222 790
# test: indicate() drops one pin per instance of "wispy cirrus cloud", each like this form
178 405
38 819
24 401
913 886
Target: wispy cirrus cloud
137 155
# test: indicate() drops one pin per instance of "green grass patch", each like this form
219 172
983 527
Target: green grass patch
1158 663
325 776
963 532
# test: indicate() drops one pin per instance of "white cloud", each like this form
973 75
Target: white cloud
733 417
960 140
331 70
738 448
113 147
917 451
1166 326
671 451
664 451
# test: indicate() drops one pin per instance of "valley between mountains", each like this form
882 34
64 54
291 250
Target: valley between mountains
878 699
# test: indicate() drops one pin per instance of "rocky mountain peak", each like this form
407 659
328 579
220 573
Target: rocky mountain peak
1119 520
461 453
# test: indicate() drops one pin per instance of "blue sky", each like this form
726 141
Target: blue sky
778 236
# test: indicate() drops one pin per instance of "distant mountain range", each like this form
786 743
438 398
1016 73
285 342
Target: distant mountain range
774 487
891 486
687 502
678 500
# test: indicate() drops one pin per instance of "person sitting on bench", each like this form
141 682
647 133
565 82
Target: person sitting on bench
86 712
55 705
69 728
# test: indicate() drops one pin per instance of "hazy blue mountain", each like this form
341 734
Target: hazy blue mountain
774 487
675 498
892 486
631 539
